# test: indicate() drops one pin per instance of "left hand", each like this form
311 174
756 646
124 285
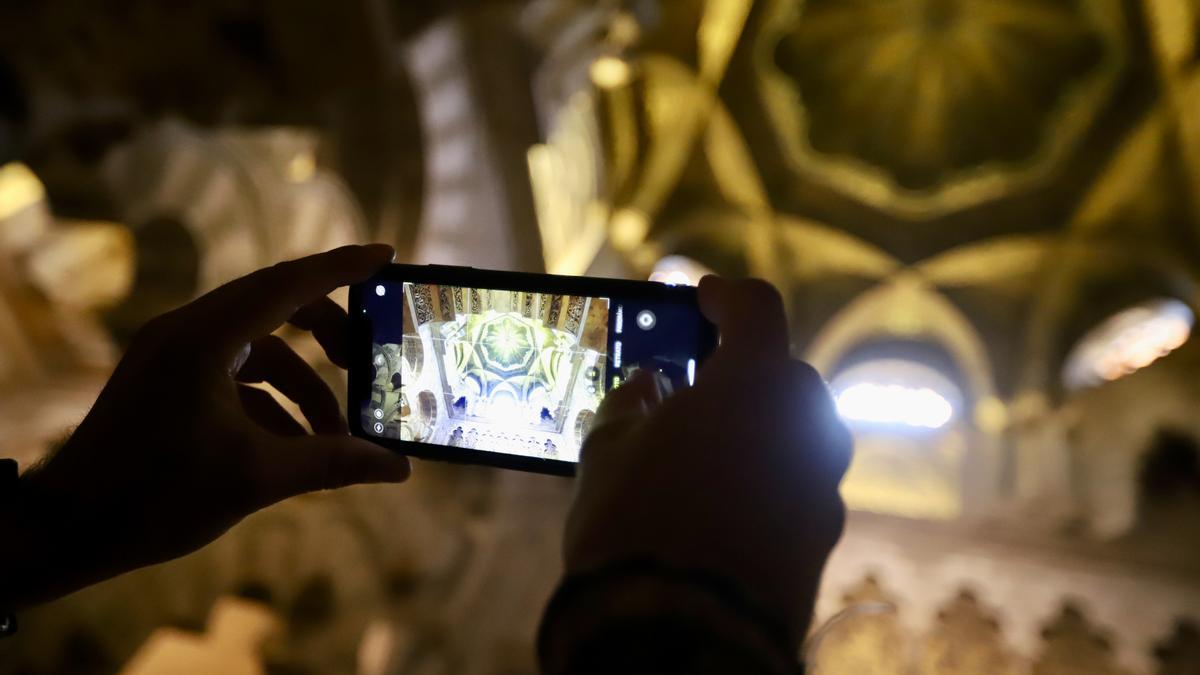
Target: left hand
177 450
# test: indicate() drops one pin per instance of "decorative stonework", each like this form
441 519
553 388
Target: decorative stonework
574 314
865 637
447 304
1075 647
966 641
930 105
423 303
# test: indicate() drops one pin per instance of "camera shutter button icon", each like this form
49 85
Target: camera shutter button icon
646 319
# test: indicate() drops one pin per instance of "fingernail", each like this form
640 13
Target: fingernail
400 470
381 250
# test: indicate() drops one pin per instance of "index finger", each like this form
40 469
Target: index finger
258 303
749 315
326 320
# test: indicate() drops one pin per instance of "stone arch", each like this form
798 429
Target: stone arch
908 308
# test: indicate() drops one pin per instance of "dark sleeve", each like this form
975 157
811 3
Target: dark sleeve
644 617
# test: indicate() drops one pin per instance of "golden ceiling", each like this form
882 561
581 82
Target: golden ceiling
988 178
999 159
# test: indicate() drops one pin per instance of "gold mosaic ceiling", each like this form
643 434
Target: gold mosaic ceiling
984 179
925 106
985 164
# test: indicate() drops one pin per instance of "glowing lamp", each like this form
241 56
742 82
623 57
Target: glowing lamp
610 72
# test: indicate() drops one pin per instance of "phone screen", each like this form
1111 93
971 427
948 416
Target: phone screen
518 373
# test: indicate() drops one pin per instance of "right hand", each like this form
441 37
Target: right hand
737 475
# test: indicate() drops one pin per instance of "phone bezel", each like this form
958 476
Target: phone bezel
360 341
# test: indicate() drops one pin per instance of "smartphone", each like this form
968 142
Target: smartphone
507 369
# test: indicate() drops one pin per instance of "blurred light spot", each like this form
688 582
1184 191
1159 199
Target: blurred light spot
624 29
379 648
677 270
302 167
894 392
991 415
1128 341
628 228
19 189
610 72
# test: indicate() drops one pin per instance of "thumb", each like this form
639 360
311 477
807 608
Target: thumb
633 399
621 409
327 462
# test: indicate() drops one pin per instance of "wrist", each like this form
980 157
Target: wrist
636 593
10 534
785 595
41 563
22 549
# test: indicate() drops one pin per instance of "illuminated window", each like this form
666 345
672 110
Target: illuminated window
677 270
1127 341
895 393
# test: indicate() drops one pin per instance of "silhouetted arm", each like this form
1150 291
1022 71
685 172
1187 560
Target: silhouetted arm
639 616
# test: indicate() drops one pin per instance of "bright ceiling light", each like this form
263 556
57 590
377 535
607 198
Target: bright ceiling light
894 404
895 392
1128 341
677 270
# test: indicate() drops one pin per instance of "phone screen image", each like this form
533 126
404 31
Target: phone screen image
516 373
